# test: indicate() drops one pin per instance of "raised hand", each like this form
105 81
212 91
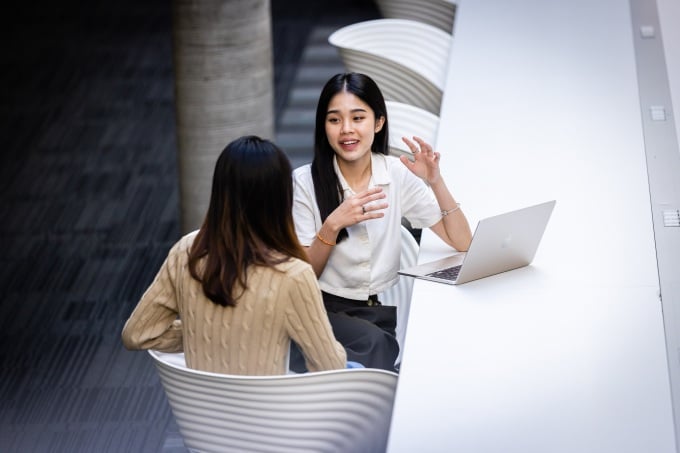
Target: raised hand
426 161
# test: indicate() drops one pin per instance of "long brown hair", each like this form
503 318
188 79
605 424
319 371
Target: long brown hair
249 219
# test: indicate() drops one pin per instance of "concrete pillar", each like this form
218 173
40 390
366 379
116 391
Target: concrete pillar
223 88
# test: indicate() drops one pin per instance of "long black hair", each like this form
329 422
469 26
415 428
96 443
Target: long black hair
249 218
327 186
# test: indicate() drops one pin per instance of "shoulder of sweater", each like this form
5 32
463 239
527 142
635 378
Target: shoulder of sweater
184 244
294 268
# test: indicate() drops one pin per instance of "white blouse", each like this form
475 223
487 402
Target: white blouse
368 260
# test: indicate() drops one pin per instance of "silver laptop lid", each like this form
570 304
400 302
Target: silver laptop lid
500 243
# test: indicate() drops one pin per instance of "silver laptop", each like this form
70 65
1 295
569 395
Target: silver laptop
500 243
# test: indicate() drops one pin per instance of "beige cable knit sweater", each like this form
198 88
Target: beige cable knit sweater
252 338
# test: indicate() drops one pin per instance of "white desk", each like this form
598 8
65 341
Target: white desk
566 355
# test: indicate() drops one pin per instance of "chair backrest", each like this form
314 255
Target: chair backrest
438 13
400 294
407 59
406 121
330 411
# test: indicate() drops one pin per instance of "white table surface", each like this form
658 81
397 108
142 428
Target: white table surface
568 354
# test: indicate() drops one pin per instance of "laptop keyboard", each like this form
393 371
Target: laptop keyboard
450 273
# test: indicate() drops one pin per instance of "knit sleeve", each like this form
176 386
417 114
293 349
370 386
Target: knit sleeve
309 326
154 323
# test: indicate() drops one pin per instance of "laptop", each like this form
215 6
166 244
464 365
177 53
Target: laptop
499 244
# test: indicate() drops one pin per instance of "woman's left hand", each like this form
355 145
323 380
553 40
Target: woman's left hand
426 161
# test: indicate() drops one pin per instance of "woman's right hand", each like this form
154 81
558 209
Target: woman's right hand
362 206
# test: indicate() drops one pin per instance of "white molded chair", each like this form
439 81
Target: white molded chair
406 58
406 121
438 13
346 410
400 294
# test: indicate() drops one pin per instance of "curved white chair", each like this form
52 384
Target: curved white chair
329 411
400 294
406 121
406 58
438 13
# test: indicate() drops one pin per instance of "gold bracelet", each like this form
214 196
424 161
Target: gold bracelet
444 213
318 235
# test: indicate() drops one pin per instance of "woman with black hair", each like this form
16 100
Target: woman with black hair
235 293
348 207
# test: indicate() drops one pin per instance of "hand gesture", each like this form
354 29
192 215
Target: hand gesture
362 206
426 161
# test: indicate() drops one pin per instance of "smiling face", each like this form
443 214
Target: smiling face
350 127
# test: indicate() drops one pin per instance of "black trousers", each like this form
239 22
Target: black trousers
365 328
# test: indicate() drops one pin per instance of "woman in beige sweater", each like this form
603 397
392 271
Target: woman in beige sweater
235 293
